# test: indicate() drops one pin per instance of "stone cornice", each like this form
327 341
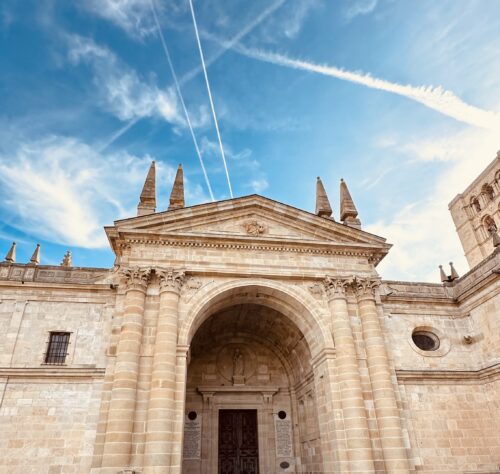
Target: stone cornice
414 377
374 253
52 373
92 287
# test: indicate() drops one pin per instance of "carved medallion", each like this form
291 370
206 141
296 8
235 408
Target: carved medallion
254 228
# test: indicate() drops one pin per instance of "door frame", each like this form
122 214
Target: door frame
263 426
240 410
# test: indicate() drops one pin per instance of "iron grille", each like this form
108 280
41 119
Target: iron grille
58 348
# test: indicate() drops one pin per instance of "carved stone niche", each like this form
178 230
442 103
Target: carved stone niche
236 363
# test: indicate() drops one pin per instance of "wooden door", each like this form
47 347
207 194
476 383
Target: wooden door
238 442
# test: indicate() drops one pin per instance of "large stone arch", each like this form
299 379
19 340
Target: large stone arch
307 313
270 321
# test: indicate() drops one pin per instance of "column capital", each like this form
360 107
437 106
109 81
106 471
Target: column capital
136 278
336 287
171 279
365 287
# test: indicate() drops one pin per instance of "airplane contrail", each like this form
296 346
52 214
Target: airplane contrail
436 98
233 41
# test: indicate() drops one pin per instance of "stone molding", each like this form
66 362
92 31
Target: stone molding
170 279
136 278
416 377
53 372
321 248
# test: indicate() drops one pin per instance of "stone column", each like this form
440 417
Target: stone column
359 449
119 428
161 408
386 410
180 402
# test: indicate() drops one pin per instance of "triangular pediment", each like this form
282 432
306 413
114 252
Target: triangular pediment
250 218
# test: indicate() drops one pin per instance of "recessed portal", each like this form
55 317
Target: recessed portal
238 442
249 373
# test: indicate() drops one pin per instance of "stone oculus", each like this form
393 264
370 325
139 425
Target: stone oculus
248 336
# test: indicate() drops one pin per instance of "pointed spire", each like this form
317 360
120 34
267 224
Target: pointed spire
348 211
67 261
442 274
147 202
454 274
177 194
35 258
323 208
11 254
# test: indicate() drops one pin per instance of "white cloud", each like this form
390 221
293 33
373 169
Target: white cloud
133 16
359 7
423 233
122 92
259 185
436 98
62 190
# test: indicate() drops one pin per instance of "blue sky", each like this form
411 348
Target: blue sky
400 98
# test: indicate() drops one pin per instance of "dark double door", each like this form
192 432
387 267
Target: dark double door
238 442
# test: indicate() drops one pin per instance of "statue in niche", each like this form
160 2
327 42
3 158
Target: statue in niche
238 367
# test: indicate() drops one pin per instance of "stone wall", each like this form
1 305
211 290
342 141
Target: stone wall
49 413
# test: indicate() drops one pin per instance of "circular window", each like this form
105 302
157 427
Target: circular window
282 415
284 465
425 340
192 415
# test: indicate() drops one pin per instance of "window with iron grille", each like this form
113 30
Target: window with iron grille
57 349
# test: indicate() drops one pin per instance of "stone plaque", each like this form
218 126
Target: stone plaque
283 428
192 436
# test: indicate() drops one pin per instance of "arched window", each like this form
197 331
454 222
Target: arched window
488 192
489 225
474 203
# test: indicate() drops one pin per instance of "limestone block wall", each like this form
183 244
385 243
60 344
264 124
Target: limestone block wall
454 425
450 396
48 424
49 413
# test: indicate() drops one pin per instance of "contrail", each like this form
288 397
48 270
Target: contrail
179 93
436 98
196 70
233 41
118 134
210 97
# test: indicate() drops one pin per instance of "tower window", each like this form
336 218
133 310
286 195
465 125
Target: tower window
489 225
475 204
488 192
57 349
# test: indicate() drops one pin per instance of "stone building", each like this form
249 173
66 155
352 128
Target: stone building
246 336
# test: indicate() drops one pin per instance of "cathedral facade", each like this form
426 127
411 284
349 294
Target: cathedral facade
247 336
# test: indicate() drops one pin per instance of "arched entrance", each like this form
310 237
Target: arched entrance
251 402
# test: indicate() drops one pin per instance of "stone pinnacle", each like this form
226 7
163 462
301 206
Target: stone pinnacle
323 208
147 201
177 194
